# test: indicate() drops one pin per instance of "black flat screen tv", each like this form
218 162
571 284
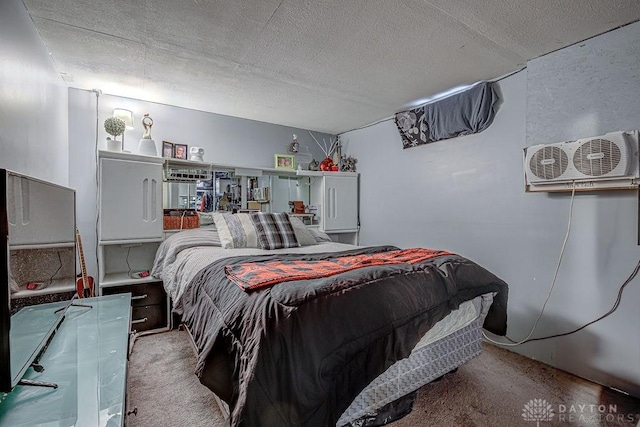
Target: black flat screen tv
37 256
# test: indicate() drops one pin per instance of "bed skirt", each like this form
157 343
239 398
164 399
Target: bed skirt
423 366
407 375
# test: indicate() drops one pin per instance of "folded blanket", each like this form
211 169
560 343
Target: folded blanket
255 275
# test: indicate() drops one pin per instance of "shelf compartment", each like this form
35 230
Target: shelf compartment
57 286
120 279
117 261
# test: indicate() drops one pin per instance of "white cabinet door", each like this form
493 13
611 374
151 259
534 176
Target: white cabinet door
340 207
39 213
130 200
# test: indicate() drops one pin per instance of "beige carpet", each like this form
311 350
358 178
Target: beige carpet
491 390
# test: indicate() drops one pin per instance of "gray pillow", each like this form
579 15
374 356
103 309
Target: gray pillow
303 235
320 236
206 218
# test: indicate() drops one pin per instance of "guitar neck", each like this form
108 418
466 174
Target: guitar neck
83 268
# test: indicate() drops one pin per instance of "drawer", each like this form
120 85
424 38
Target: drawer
147 317
142 294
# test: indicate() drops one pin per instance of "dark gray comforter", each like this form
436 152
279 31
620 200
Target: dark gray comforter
298 353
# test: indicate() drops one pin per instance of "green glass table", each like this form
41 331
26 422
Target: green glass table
86 358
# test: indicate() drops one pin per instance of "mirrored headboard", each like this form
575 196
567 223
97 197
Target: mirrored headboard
209 187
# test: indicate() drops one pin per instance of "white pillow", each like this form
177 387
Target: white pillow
236 230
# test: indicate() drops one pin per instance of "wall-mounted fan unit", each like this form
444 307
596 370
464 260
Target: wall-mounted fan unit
598 163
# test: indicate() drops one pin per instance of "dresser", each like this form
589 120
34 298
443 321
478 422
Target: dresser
86 358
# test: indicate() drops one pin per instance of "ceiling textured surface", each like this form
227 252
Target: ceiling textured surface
325 65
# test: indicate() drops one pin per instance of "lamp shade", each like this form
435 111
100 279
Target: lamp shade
125 115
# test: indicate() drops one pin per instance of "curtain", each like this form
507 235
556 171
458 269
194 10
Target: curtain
464 113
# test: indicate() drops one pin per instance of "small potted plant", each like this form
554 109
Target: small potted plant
114 127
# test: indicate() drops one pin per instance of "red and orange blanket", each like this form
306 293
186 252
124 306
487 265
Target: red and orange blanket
255 275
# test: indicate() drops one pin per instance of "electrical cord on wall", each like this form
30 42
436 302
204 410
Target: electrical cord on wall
127 261
98 92
607 314
59 268
553 282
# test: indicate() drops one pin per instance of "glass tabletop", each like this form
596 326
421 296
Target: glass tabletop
86 358
29 329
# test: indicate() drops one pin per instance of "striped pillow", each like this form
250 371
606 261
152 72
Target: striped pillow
274 230
236 231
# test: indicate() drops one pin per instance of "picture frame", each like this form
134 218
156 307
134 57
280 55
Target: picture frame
180 151
285 161
167 149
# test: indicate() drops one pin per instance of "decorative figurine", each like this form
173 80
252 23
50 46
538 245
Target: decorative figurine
348 164
147 146
294 146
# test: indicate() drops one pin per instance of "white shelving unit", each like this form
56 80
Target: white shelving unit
335 194
130 229
41 221
129 233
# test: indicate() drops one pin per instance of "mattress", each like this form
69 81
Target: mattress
451 342
425 364
457 319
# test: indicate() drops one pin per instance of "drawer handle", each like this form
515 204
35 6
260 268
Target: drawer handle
139 320
139 297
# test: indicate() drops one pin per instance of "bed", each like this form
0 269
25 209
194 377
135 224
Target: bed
316 348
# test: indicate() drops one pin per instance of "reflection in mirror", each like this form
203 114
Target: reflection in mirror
187 187
205 200
196 195
285 189
259 193
227 192
234 193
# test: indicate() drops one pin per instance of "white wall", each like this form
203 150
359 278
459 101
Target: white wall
33 101
226 140
467 195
